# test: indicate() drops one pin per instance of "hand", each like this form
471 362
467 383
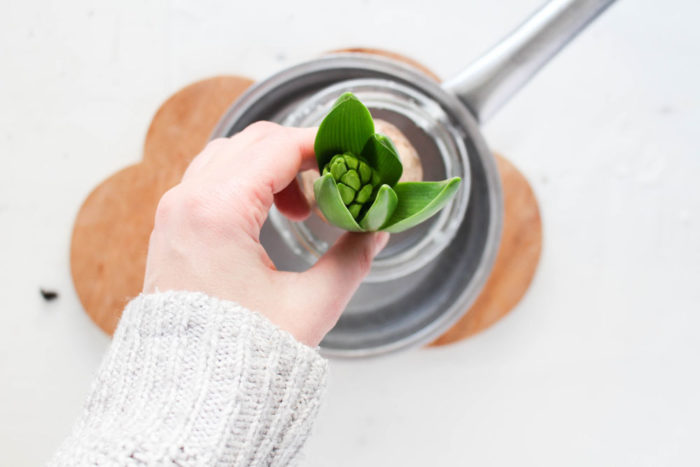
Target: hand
207 228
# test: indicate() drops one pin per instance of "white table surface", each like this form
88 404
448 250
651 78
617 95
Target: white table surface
598 365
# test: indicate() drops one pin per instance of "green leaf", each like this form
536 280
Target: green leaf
331 204
418 201
346 128
381 210
380 153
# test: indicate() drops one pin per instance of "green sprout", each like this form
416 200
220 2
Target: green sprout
359 187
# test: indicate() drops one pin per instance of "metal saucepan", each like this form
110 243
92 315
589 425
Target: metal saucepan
427 277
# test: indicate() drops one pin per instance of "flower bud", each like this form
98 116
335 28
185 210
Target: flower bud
356 182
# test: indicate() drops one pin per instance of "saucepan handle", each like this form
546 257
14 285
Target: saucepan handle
492 79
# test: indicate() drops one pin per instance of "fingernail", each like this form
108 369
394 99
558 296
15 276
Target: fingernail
380 241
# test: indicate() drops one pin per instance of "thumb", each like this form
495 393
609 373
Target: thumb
337 275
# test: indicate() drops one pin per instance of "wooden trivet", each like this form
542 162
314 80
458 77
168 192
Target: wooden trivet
111 231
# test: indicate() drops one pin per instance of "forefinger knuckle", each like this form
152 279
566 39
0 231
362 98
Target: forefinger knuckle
261 128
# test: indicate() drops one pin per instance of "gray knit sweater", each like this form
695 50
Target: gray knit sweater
193 380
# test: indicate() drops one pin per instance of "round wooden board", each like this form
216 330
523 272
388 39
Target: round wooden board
111 231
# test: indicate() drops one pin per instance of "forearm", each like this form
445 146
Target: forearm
192 380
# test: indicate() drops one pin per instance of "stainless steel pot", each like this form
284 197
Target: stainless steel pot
427 278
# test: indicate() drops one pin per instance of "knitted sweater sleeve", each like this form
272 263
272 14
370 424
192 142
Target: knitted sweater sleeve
193 380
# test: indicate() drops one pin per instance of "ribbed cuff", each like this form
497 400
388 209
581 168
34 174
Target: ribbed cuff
193 380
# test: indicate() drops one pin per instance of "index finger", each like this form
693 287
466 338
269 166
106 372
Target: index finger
278 154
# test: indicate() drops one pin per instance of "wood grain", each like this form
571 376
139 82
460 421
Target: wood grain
111 231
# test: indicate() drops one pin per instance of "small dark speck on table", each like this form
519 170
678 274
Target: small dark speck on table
48 295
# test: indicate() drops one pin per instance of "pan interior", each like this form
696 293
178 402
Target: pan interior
442 153
412 309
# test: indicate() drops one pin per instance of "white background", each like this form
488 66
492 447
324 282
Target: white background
598 365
